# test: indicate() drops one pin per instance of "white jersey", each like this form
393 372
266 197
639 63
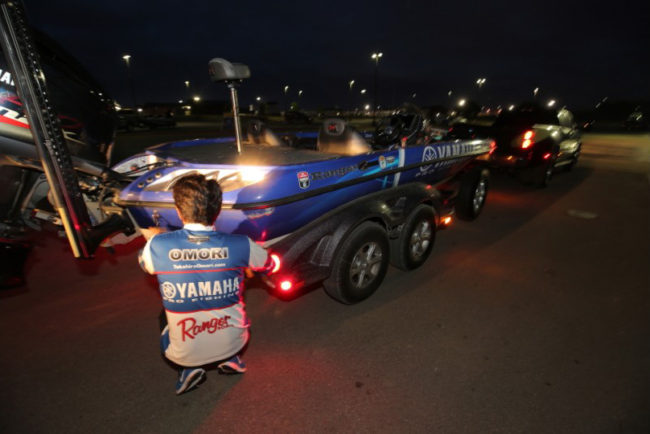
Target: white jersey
201 273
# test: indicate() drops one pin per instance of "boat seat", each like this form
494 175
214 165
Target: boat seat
260 134
336 137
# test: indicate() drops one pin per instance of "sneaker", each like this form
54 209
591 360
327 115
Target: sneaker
188 378
233 365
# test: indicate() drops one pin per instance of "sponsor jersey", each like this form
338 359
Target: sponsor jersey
201 277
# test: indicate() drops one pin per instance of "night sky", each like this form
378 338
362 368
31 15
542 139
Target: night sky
575 52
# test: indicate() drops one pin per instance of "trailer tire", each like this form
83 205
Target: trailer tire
416 239
360 264
474 187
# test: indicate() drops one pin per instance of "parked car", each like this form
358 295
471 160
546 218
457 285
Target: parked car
531 141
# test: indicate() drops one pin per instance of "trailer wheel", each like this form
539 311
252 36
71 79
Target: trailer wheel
360 265
415 242
473 192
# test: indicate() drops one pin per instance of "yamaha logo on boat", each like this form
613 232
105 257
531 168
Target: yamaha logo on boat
303 179
428 154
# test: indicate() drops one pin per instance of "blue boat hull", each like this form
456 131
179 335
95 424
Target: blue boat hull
289 196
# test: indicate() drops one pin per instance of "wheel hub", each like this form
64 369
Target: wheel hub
366 264
420 239
479 195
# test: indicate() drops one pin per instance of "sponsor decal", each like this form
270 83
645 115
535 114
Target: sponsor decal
334 172
13 117
382 162
204 254
5 77
428 154
448 152
190 328
303 179
208 289
390 159
256 214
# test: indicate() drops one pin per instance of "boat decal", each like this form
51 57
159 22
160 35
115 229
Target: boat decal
341 171
382 162
471 151
303 179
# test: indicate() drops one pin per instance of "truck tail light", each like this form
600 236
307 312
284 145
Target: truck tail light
527 141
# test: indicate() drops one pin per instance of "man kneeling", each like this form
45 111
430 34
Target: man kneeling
201 276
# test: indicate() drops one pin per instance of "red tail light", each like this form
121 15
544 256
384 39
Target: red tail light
286 285
277 263
493 147
527 142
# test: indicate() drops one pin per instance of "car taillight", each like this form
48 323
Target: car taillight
527 141
286 285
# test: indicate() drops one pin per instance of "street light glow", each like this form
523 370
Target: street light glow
551 103
480 82
286 89
511 107
196 98
376 56
535 91
259 98
363 91
461 103
351 83
300 93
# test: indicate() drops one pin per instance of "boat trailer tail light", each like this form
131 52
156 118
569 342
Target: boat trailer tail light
277 263
446 220
286 285
528 139
546 156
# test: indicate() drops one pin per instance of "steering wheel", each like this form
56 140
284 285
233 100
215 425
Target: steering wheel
389 134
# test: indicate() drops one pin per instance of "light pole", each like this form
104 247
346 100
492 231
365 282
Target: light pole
375 57
127 60
480 82
350 84
187 88
285 89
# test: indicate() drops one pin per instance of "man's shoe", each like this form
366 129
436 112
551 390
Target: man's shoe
188 378
233 365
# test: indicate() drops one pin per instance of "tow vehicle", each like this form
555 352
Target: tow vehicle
336 214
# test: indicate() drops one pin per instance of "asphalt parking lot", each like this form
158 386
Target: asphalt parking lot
534 318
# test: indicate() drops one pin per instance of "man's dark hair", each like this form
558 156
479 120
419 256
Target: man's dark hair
198 199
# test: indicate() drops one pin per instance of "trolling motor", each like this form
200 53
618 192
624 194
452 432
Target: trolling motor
232 74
